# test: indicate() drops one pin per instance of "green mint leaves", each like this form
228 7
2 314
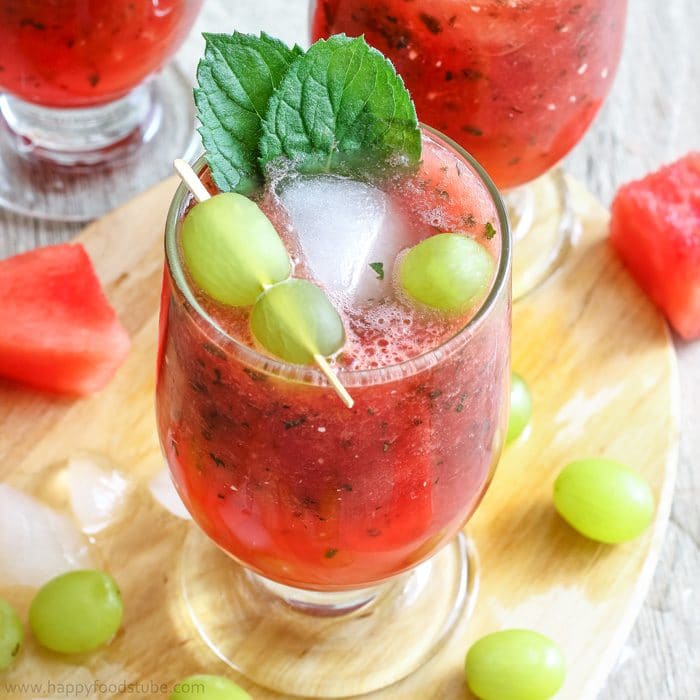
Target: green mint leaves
489 230
378 268
340 107
236 77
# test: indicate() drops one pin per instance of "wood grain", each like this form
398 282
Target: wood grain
600 351
651 117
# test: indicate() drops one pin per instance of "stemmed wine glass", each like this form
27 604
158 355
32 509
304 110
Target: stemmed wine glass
83 122
325 535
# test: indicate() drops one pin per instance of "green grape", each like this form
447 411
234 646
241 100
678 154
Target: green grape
604 500
295 320
76 612
232 250
11 635
520 407
514 665
449 272
206 687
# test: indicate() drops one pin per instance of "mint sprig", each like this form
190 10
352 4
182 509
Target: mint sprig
341 108
236 77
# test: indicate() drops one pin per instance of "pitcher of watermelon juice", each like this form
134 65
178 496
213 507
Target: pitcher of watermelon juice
516 83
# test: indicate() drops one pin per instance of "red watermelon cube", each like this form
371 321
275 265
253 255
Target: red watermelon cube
655 229
57 329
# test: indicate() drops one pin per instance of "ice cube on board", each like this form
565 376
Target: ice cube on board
36 542
342 226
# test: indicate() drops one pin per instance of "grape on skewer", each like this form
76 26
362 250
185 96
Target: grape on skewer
291 318
232 249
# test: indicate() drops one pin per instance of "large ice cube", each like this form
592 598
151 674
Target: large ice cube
343 226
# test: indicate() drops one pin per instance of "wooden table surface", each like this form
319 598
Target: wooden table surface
651 117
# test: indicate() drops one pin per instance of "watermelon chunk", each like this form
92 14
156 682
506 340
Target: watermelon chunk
655 229
57 329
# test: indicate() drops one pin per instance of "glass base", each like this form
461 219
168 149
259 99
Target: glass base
325 645
544 228
82 136
77 164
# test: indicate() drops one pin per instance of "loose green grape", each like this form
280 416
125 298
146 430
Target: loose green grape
514 665
11 635
448 272
231 249
604 500
76 612
295 320
520 407
207 687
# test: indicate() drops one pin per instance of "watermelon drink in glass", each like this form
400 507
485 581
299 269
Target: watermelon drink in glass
338 526
75 90
516 83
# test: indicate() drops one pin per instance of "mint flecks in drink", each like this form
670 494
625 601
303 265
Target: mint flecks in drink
516 83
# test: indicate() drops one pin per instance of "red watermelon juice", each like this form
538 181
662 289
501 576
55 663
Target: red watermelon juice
272 466
516 83
82 53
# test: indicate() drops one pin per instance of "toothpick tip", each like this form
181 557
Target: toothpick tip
189 177
335 382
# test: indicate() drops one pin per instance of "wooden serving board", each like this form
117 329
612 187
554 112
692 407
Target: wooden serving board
602 370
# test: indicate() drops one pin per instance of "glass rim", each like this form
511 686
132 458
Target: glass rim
349 377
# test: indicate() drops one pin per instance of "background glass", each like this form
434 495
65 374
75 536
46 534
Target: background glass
516 83
76 97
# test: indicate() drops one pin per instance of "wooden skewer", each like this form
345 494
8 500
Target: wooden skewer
189 177
200 193
333 379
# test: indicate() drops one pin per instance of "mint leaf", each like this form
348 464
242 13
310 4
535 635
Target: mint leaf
341 107
236 77
489 230
378 267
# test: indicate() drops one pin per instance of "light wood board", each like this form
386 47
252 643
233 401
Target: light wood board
603 374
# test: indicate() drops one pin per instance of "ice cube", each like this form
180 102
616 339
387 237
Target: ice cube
342 226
